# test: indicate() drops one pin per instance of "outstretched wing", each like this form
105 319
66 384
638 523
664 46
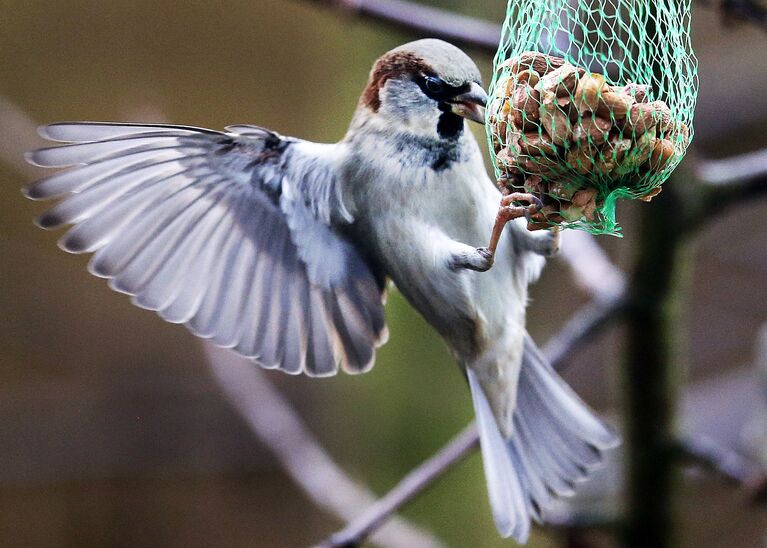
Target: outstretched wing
229 233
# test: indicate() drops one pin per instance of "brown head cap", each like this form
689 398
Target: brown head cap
427 57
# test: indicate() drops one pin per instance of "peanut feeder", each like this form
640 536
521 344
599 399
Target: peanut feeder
561 127
590 102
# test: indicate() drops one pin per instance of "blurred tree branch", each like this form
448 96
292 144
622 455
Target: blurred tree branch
424 20
652 373
411 485
729 182
279 427
726 463
484 35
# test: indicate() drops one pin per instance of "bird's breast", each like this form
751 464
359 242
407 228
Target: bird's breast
409 216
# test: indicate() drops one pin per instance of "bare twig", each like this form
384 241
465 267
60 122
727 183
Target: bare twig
582 327
732 181
425 20
722 460
477 33
410 486
733 170
275 423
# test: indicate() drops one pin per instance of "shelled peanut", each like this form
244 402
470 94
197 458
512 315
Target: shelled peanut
556 127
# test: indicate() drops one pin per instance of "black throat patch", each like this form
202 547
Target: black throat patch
450 125
437 153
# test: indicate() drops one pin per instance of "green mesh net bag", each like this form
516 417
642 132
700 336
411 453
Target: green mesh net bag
591 101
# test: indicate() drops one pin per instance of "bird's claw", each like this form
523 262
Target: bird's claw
481 261
509 211
487 255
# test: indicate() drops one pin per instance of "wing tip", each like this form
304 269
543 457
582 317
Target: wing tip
31 192
56 131
43 131
32 157
359 369
383 336
48 221
61 131
315 374
73 244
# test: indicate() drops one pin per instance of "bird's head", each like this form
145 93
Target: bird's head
426 87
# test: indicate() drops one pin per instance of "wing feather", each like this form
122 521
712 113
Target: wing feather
83 132
204 322
233 234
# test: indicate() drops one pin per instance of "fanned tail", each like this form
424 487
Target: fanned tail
557 442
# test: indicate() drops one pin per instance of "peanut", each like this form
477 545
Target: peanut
591 128
539 62
587 92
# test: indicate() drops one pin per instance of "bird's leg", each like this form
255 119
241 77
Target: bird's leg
509 211
482 258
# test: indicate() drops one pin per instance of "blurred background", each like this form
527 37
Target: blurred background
113 431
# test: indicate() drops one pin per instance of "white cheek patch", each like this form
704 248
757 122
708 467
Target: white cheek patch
403 103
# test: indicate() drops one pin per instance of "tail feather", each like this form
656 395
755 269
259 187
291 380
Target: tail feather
547 383
557 442
509 505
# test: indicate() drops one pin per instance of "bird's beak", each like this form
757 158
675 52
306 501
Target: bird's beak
471 105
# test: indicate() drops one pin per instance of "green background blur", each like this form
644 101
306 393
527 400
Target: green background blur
112 432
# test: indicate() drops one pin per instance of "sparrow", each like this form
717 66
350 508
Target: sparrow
281 249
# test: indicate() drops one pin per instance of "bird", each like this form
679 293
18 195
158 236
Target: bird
283 250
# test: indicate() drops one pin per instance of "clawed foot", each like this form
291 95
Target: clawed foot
509 211
479 259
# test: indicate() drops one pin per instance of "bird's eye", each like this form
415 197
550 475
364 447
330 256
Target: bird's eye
434 85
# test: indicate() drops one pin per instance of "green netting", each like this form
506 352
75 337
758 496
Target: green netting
591 102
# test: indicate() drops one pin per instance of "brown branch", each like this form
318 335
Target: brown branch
417 481
424 20
282 431
483 35
725 462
